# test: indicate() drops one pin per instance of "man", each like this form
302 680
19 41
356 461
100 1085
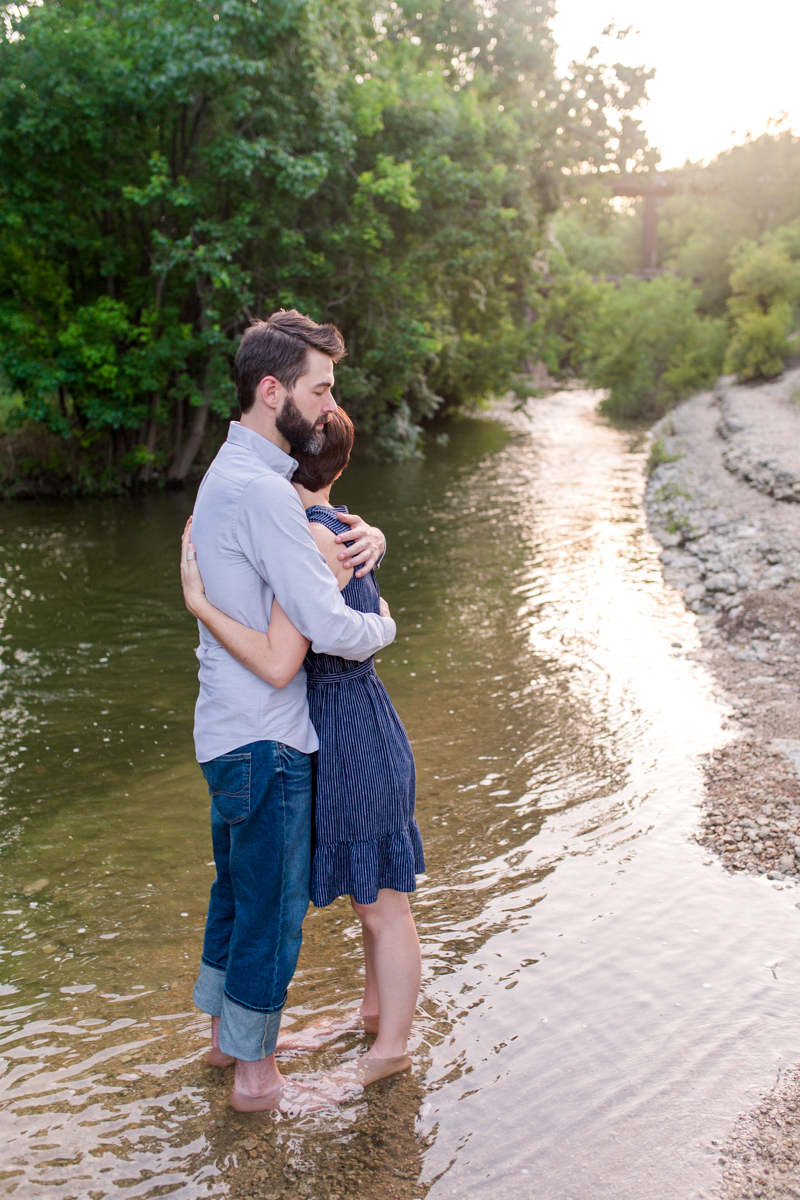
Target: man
253 741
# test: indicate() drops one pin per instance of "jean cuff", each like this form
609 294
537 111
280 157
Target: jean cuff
248 1034
209 989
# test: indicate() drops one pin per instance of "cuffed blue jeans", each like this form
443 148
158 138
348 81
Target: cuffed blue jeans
261 833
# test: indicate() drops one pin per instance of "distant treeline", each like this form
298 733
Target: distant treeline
170 169
728 299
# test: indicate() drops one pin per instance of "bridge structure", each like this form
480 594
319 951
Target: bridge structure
649 188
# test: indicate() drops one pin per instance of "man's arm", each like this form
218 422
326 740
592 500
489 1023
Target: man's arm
273 532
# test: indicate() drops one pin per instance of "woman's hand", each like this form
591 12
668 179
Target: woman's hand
191 580
384 609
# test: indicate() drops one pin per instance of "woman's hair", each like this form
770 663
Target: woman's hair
318 470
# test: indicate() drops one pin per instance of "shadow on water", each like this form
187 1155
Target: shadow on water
595 1005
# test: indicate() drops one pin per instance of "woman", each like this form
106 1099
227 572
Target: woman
368 845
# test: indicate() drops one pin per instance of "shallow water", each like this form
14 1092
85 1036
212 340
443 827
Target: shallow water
598 1002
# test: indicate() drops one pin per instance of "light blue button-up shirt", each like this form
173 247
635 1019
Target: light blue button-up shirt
253 544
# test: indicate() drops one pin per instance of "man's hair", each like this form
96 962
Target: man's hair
316 471
278 346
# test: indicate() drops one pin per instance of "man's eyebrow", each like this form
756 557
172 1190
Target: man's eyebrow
325 382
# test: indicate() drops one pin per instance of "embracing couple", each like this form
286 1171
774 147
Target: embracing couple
290 616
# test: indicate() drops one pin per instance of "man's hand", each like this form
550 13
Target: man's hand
369 544
384 608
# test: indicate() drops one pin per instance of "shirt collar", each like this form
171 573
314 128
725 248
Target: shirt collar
266 450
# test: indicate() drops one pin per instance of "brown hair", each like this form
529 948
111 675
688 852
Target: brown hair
278 346
318 470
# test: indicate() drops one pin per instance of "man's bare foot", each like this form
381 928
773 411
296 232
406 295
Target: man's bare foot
370 1022
288 1097
259 1087
218 1058
215 1056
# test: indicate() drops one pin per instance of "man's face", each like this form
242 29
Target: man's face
304 411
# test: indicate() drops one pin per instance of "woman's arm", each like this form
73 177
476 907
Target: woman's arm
326 542
275 656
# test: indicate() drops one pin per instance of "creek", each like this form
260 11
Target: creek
599 998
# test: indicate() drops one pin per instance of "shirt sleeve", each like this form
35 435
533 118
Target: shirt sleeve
272 531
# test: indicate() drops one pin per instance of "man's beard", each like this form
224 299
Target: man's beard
302 436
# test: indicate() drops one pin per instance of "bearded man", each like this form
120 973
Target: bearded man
254 742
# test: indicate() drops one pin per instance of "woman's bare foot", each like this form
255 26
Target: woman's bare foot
326 1029
370 1022
351 1078
311 1036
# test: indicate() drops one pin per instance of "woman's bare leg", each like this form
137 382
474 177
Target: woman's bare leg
369 1005
392 955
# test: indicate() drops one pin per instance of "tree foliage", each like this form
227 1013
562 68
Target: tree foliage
729 244
170 169
744 193
764 302
641 340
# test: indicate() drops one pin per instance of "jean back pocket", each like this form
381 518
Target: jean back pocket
228 779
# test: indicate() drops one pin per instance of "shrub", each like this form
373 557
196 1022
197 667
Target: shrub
760 344
649 348
765 283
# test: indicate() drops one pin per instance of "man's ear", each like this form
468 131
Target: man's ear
270 392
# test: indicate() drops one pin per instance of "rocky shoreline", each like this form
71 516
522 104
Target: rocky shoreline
724 501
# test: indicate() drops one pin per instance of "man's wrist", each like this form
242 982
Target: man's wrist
382 553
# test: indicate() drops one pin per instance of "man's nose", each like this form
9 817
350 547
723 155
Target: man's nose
330 405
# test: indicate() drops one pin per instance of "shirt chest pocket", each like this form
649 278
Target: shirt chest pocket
228 779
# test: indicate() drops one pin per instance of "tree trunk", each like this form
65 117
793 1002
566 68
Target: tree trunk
146 470
185 456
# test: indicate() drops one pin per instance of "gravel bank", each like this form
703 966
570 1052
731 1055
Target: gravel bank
724 501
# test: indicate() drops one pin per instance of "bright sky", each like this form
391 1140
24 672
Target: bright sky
723 67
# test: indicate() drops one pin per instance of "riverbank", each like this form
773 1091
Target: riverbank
37 464
724 501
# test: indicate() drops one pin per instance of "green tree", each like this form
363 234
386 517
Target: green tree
168 170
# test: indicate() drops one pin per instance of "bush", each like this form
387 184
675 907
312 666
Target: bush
765 283
760 344
649 348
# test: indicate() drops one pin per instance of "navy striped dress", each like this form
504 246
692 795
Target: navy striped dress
366 834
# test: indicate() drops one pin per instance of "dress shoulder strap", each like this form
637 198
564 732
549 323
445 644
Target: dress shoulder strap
320 515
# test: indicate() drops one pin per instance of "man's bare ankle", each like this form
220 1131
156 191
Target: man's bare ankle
257 1078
